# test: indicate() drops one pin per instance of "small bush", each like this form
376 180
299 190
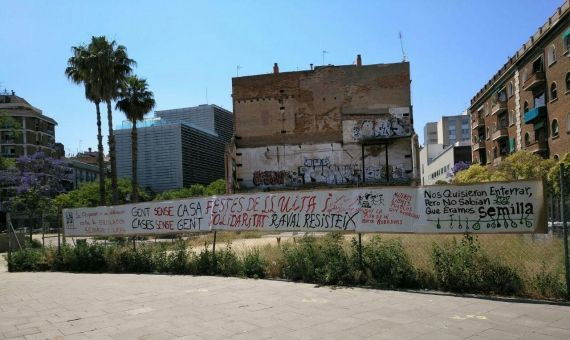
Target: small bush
227 262
549 284
301 260
387 264
254 264
203 263
333 267
178 260
463 267
27 259
128 260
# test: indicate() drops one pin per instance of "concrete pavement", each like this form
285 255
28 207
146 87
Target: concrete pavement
121 306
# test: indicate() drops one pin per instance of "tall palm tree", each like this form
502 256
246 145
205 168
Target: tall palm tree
114 66
135 100
80 70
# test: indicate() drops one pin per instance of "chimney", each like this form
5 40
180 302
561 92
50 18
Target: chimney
275 68
358 60
311 67
13 93
89 149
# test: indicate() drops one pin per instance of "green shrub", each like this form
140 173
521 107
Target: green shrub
27 259
387 264
549 284
464 267
254 264
227 262
178 259
128 260
300 260
203 263
333 266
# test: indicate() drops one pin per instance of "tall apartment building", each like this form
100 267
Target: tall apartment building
430 133
34 131
448 130
452 145
177 148
331 125
526 105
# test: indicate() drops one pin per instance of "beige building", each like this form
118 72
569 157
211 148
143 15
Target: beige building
331 125
34 131
526 104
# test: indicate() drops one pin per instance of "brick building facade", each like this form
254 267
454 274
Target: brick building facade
331 125
526 105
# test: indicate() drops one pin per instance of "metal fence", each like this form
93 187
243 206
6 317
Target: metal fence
541 260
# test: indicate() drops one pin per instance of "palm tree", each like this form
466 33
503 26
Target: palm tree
79 70
114 66
135 100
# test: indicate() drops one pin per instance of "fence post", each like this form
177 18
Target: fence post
8 229
214 251
565 229
360 250
43 230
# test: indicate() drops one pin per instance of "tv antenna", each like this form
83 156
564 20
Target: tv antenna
324 52
404 58
237 70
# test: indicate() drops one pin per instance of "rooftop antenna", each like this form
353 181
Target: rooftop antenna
324 52
404 58
237 70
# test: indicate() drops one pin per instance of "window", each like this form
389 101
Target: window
568 81
555 129
538 65
510 89
526 139
551 55
524 75
567 43
488 134
511 117
568 122
553 92
525 106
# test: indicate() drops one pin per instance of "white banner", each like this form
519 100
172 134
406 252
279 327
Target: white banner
501 207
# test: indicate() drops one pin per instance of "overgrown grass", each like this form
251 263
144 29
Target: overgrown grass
514 265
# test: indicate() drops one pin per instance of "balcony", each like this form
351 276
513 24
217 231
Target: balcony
538 146
501 106
533 115
478 122
478 146
534 81
500 133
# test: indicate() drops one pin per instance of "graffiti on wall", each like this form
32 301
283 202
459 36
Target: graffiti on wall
494 207
281 177
379 128
321 171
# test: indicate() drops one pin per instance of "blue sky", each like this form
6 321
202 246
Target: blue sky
188 48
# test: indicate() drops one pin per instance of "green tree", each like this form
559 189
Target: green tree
135 100
217 187
115 67
554 176
102 66
80 69
86 195
474 174
525 165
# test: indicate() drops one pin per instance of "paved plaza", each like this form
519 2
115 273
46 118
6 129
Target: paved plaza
107 306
